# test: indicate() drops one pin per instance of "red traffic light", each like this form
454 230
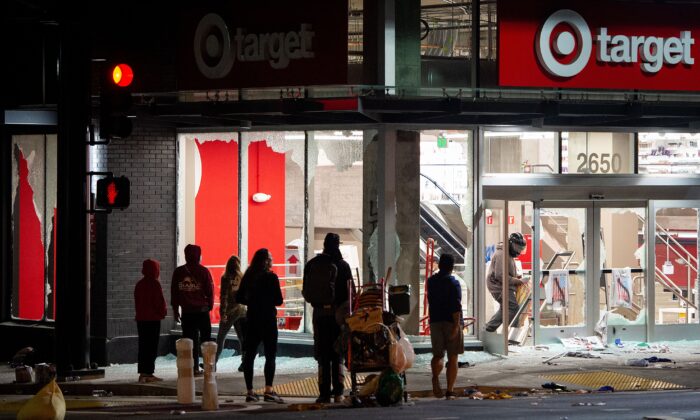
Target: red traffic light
113 193
122 75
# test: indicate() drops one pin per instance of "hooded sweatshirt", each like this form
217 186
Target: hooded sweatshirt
494 277
192 287
148 294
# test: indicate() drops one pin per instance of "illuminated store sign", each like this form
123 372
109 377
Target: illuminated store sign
572 44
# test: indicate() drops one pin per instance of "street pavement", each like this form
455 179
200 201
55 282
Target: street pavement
520 375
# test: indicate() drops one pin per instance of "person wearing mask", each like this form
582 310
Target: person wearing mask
446 324
328 271
260 291
231 312
495 278
150 310
192 291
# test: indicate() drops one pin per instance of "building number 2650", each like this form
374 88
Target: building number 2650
602 163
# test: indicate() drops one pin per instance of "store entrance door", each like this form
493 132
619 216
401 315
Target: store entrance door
589 278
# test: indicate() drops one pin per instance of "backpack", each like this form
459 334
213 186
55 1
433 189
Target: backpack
319 281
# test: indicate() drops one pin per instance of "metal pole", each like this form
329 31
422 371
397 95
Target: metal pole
506 281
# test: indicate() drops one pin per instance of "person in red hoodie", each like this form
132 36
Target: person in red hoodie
192 290
150 310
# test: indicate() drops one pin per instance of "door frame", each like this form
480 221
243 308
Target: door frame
671 331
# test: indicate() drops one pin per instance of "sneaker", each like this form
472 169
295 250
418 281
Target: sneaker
450 395
337 399
198 373
252 398
240 367
323 400
273 397
147 379
490 329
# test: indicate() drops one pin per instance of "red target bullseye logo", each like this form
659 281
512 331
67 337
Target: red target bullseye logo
564 44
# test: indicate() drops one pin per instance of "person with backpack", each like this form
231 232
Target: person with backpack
192 290
260 290
325 287
232 313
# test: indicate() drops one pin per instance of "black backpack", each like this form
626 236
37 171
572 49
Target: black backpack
319 281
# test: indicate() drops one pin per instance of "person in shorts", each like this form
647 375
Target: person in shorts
446 324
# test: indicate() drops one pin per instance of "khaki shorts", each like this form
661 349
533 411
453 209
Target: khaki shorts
440 339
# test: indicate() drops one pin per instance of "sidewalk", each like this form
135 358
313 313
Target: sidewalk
522 371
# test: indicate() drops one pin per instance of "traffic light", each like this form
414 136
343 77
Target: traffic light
115 101
113 193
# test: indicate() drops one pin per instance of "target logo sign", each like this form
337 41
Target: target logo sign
575 41
571 43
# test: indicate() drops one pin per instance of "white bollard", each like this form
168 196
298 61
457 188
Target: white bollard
210 392
185 371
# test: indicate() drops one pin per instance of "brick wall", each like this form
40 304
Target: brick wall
147 229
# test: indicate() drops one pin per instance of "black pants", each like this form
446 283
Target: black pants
149 333
197 327
326 332
513 307
239 325
265 332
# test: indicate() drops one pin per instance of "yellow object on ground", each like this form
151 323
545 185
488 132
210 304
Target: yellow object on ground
619 381
47 404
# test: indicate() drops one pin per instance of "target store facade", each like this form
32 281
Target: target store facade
412 129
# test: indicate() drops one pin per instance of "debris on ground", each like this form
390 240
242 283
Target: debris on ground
637 362
584 355
606 388
580 404
554 386
654 359
464 364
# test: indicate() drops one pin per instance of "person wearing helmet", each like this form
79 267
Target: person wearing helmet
495 278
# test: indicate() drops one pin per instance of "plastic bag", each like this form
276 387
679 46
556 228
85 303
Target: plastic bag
390 389
407 348
47 404
397 357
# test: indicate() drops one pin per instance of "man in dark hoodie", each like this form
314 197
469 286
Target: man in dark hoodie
495 279
150 310
326 329
192 291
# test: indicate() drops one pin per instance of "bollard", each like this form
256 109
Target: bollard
210 392
185 371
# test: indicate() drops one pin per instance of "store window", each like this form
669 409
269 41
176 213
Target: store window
597 153
33 226
446 208
669 153
676 266
335 193
521 152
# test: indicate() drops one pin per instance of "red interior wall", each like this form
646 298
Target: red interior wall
680 274
266 221
31 250
216 209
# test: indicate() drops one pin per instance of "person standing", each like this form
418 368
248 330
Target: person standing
192 291
260 291
495 279
150 310
232 313
329 273
446 324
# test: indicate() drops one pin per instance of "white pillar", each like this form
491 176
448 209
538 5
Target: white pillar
185 371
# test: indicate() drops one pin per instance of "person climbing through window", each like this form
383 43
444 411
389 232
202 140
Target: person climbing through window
495 278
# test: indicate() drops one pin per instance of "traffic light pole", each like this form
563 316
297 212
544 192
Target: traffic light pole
72 326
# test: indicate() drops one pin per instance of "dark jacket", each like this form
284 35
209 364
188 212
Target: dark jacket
341 281
227 300
148 294
262 293
192 287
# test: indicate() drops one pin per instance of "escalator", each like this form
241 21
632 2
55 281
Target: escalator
443 222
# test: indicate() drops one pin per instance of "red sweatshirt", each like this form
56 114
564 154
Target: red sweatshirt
148 294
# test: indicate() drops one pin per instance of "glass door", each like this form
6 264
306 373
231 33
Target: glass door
591 275
673 257
562 299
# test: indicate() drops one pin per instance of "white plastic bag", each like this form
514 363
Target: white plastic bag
407 347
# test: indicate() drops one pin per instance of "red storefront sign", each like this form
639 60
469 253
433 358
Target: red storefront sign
237 44
599 44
